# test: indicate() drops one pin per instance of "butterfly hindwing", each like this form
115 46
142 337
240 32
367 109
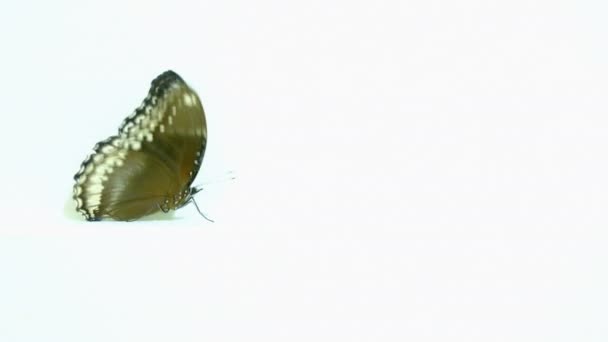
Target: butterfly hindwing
137 188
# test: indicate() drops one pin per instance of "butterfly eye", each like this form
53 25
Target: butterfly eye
150 164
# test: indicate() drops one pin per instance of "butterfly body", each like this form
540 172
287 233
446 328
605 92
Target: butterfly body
150 165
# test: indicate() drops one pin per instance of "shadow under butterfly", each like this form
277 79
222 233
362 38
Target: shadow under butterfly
150 165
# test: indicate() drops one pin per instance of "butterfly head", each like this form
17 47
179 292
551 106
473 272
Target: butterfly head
189 196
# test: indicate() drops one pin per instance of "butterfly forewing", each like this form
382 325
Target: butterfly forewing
150 165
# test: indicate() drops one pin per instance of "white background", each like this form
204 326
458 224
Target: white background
406 171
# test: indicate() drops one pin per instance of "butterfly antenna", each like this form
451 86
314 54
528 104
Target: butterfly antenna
200 212
229 176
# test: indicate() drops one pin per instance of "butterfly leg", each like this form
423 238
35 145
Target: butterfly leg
163 208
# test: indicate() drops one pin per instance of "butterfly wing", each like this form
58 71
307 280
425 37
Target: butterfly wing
150 165
138 188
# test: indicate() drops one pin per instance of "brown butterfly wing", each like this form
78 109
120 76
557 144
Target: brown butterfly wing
153 161
137 188
184 134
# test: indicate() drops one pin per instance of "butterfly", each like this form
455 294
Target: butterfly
149 166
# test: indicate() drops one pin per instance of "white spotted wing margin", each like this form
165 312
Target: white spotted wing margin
151 163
